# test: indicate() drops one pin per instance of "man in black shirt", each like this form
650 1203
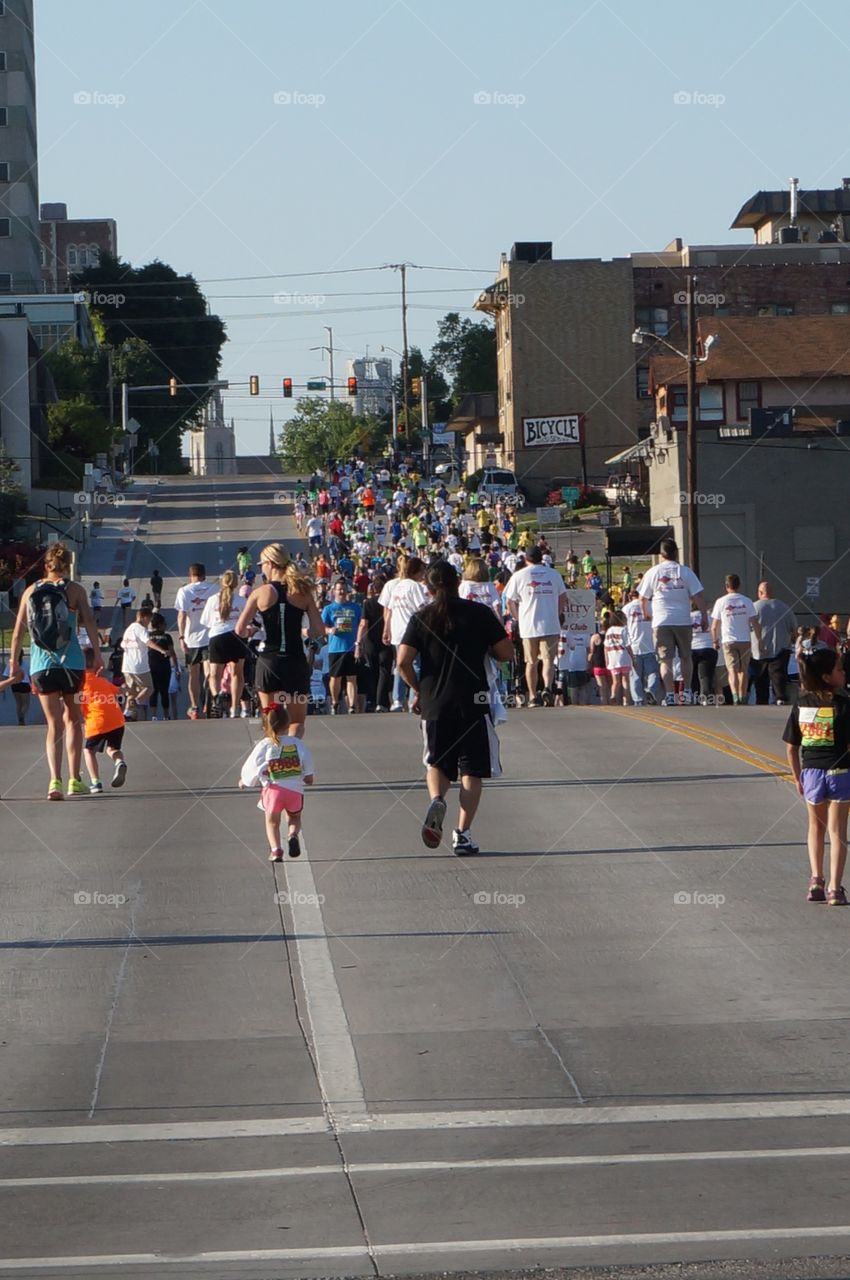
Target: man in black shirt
453 638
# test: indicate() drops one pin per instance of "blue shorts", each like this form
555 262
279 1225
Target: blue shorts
821 785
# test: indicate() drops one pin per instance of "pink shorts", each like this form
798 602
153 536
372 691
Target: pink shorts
277 799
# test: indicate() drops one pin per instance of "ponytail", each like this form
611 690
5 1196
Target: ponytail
225 601
443 584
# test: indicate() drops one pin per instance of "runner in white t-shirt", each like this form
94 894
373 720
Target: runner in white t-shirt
400 599
670 587
733 617
536 598
194 637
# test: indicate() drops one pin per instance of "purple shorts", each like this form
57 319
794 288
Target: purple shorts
820 785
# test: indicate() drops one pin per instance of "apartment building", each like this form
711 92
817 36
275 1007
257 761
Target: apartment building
20 264
70 245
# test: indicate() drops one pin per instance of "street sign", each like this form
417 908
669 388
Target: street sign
571 494
317 384
812 588
549 517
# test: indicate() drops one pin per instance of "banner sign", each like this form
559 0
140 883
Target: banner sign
546 432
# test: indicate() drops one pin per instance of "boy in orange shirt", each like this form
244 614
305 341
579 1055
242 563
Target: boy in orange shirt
104 721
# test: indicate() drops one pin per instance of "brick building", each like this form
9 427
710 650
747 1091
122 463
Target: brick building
69 245
563 325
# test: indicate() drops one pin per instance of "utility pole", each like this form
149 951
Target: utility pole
691 461
423 413
330 334
111 385
404 348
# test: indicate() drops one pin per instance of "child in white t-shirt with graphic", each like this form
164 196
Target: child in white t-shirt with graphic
283 766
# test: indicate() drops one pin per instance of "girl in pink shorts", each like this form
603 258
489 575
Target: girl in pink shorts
282 766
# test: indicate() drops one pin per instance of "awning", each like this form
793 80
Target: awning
633 454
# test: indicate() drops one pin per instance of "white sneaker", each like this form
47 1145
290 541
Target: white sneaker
463 843
120 773
397 706
432 827
243 714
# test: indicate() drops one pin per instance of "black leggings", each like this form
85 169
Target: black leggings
161 681
380 674
705 661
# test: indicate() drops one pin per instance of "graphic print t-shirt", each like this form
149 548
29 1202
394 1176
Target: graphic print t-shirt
191 600
346 618
821 730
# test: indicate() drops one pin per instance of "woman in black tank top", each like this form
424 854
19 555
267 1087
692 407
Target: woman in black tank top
283 672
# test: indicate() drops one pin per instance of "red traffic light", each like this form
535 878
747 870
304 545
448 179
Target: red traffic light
352 386
287 388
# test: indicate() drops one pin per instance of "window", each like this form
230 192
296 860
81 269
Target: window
749 397
2 59
5 277
784 309
2 8
655 319
94 255
642 377
839 309
5 227
72 255
4 171
4 117
710 404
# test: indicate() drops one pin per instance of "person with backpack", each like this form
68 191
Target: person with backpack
52 609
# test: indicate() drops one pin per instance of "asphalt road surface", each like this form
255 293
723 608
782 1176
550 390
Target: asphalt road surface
618 1038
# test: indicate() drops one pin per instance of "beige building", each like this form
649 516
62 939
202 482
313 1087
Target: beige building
563 343
212 445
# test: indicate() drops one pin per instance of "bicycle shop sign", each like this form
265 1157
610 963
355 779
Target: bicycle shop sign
538 433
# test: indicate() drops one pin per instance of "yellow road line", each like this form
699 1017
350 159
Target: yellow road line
714 742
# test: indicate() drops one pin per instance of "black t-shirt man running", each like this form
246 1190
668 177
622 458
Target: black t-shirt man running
453 639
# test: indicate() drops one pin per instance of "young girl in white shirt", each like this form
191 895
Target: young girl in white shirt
283 766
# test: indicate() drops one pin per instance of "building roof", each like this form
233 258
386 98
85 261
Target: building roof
750 348
477 408
771 204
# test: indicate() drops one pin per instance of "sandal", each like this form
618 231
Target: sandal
836 897
816 890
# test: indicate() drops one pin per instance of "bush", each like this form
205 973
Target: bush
591 498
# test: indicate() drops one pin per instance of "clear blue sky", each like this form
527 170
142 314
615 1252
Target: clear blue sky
395 160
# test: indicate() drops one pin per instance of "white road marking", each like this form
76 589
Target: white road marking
428 1247
333 1047
192 1130
428 1166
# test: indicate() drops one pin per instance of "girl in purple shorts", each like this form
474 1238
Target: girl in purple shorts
283 766
818 745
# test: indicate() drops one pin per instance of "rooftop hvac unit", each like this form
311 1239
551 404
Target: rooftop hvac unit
532 251
789 235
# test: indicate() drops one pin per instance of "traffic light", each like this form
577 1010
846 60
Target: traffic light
352 386
287 388
254 385
172 386
416 386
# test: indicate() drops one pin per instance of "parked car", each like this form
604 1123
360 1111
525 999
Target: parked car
498 482
621 489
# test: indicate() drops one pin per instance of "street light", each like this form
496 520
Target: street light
692 360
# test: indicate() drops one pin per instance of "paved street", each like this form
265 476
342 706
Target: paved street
617 1037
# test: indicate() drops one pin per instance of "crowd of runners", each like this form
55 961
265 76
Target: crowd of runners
403 596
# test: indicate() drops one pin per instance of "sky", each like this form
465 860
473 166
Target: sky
285 152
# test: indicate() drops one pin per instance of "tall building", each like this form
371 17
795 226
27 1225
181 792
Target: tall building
20 257
69 245
374 385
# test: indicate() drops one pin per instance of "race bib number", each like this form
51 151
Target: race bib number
344 621
286 766
817 726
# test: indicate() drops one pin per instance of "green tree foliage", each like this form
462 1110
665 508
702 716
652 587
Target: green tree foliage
323 429
465 351
154 308
13 501
437 389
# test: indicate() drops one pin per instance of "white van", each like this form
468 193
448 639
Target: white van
498 482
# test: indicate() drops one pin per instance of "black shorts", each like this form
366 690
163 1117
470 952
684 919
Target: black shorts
113 739
342 664
465 746
57 680
227 648
276 674
194 657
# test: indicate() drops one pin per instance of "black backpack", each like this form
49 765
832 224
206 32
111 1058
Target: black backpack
48 616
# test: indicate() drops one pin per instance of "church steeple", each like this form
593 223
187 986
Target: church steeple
272 444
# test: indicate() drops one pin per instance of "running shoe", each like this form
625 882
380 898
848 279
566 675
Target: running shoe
836 897
77 788
120 774
276 855
55 791
432 827
536 701
397 706
154 719
192 713
547 698
463 843
816 892
293 848
687 698
244 713
670 700
96 789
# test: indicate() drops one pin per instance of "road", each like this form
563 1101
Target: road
617 1037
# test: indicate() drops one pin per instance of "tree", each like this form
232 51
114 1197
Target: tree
323 429
13 500
152 309
437 389
465 351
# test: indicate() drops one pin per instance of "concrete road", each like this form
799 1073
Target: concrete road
618 1038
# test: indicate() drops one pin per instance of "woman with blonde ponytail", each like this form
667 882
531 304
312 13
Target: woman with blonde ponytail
220 615
286 596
